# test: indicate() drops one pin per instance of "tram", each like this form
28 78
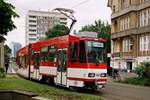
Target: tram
69 61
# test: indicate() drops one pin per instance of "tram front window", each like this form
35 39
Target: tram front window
95 52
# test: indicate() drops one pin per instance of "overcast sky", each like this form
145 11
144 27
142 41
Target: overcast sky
87 11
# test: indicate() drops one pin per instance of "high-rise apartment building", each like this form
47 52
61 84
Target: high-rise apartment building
38 22
14 46
130 32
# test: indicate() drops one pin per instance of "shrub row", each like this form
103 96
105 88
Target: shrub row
143 70
137 81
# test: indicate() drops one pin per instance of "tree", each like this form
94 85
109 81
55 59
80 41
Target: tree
102 29
7 52
6 14
57 30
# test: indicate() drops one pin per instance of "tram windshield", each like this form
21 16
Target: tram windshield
95 52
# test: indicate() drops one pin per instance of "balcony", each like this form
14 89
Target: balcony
125 55
131 54
145 29
124 33
144 53
129 32
144 5
124 11
132 7
117 54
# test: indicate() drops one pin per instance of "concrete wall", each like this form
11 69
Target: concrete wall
19 95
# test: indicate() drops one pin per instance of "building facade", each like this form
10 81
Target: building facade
14 46
38 22
130 32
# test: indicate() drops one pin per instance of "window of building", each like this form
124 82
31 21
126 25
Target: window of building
130 2
124 23
63 23
127 46
32 21
114 8
31 16
149 16
144 43
73 52
32 30
115 26
141 22
32 35
121 24
63 18
142 1
144 17
32 39
123 4
32 25
128 22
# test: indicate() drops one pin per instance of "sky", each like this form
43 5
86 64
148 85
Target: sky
86 12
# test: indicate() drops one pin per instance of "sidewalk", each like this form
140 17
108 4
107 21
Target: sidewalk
124 75
127 75
11 68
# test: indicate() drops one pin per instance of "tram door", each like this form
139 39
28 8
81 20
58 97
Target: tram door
36 64
62 67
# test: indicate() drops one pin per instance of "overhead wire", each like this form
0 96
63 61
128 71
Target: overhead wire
74 6
80 3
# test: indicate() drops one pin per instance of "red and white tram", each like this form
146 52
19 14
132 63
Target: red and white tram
68 61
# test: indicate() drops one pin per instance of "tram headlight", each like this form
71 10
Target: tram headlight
91 75
103 74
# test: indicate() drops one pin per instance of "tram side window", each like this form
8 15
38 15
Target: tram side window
73 52
52 53
82 54
44 54
52 57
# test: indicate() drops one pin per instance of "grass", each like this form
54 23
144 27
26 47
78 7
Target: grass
54 93
136 81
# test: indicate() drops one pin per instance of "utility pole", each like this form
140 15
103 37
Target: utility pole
29 59
2 54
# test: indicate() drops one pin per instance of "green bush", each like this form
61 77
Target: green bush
142 69
2 73
137 81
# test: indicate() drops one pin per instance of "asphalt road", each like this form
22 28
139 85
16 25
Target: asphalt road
117 91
